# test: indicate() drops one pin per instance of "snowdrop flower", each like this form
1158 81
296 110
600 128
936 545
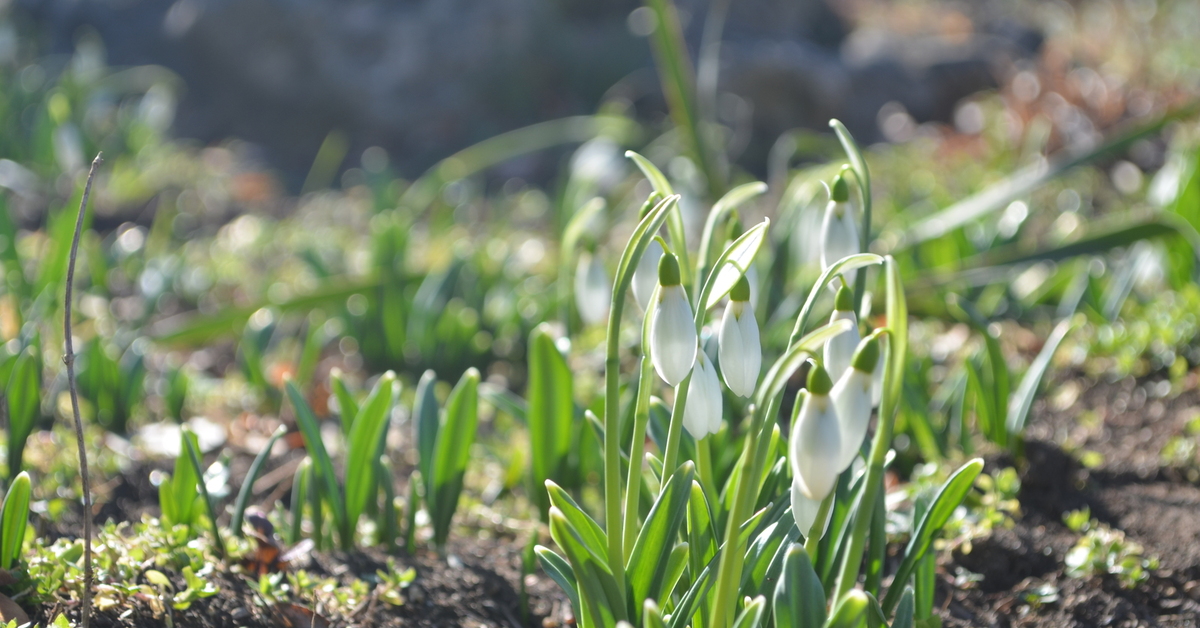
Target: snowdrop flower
816 442
805 510
739 348
702 413
645 276
672 330
839 232
840 349
852 400
593 291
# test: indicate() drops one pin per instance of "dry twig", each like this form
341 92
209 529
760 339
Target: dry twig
69 360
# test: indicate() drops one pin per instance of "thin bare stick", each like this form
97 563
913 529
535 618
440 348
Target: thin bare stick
69 360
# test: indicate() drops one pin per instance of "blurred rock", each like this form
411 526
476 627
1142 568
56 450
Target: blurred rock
424 78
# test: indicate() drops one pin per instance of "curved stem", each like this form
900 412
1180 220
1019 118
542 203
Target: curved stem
641 417
69 360
675 432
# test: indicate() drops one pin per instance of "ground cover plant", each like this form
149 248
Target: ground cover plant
949 381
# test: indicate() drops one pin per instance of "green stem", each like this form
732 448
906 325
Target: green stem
812 541
704 468
612 462
675 432
641 417
679 87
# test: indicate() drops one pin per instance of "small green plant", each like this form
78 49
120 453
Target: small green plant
366 428
23 396
994 505
444 441
1102 550
179 494
113 382
14 517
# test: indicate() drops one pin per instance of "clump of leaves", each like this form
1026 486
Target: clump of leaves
1103 550
1182 452
126 555
994 505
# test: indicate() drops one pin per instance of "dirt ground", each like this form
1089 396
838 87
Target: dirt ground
1127 423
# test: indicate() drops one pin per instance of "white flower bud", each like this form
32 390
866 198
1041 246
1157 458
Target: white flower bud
805 510
816 442
645 276
703 411
672 329
593 291
852 400
739 347
840 349
839 232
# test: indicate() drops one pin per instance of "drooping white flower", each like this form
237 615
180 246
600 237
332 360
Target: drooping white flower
672 330
593 290
816 441
739 347
645 276
840 349
839 232
703 411
852 400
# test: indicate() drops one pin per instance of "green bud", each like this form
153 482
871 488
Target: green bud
818 380
844 301
741 290
654 199
867 355
840 192
668 270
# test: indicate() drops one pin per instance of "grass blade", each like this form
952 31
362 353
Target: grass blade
550 413
24 399
799 597
323 471
243 498
648 561
366 440
453 449
14 517
1018 409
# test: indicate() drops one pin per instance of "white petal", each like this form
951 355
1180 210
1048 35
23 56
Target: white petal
695 413
672 336
752 360
839 234
815 446
716 403
852 399
804 510
593 292
839 350
752 279
739 348
645 276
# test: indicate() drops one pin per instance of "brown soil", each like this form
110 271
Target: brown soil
1127 423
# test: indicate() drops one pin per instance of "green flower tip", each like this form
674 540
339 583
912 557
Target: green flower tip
741 290
653 200
818 380
867 355
668 270
841 190
844 301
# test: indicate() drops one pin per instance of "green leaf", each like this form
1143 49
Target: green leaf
192 449
676 563
590 535
454 440
851 612
734 262
948 498
845 265
799 597
504 401
550 412
716 217
648 563
905 611
560 571
183 484
14 517
24 399
323 471
875 616
1018 409
602 603
751 616
347 406
366 443
653 174
425 427
243 498
783 368
652 616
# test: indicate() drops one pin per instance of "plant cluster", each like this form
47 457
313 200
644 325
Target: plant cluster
1104 551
